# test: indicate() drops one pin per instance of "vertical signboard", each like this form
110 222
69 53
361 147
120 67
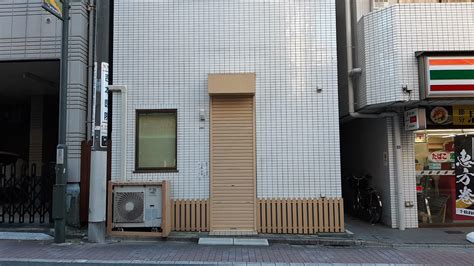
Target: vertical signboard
464 174
104 104
100 116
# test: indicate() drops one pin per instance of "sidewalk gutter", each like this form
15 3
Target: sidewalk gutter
345 239
326 240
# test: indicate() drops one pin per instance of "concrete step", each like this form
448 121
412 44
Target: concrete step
226 241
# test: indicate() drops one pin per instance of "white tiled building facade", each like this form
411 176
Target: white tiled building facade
163 51
386 44
391 37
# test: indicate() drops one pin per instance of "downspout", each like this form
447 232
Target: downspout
90 69
399 169
352 72
123 135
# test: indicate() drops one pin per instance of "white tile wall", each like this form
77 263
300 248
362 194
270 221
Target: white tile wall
117 136
378 56
393 35
409 176
392 183
164 49
388 40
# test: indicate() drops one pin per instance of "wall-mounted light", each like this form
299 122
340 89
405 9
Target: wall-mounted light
202 115
405 88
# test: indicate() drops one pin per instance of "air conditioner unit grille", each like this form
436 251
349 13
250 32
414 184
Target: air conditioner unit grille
128 207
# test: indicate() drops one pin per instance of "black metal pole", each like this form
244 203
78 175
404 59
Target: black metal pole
59 191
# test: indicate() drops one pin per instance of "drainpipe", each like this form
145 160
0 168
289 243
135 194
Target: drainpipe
90 69
353 115
399 169
123 135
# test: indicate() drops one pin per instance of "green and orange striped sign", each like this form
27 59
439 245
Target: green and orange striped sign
450 76
55 7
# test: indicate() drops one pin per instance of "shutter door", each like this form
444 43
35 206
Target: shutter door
232 164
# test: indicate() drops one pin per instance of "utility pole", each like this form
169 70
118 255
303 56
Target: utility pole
98 178
59 189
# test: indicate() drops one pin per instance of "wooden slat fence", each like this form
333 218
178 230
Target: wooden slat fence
190 215
300 216
276 216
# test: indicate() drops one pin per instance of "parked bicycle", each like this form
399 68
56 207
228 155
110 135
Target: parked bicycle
367 203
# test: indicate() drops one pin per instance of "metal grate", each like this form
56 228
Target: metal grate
26 198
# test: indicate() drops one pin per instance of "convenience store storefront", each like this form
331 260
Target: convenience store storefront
443 139
444 166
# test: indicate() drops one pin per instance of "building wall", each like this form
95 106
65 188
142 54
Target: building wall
28 32
377 34
163 51
408 174
441 27
378 4
392 36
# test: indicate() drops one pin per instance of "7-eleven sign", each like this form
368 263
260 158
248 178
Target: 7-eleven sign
451 76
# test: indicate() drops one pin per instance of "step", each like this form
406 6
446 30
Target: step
24 236
224 241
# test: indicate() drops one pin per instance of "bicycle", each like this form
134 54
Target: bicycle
367 203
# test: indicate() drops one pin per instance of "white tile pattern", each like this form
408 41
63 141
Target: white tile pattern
409 176
164 49
387 42
391 37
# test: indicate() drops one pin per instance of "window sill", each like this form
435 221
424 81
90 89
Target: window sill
156 171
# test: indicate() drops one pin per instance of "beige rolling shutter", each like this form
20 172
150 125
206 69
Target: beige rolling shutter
232 163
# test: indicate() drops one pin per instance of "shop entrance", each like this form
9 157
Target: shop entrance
28 139
444 169
232 164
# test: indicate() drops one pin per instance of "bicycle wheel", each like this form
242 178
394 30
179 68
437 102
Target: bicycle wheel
357 206
375 208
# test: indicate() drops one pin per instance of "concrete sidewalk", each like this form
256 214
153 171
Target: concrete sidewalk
358 233
173 252
381 235
369 244
361 233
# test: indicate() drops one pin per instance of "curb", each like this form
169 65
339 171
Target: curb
324 239
321 241
415 245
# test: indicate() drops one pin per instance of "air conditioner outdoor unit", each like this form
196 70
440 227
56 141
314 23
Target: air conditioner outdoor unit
137 206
